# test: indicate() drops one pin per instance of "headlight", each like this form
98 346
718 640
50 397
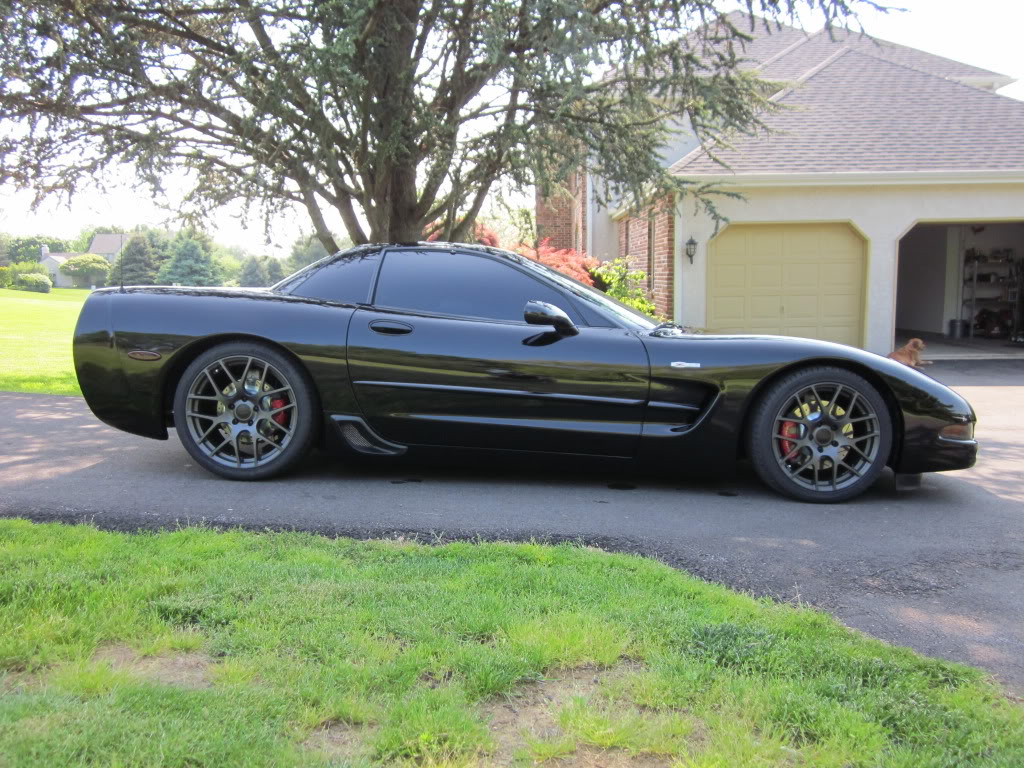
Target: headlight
963 431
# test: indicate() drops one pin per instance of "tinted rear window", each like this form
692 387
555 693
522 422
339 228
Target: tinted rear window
346 279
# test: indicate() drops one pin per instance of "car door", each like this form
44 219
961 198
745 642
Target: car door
444 357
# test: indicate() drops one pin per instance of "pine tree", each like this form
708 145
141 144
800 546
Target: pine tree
305 250
275 272
137 264
254 274
191 264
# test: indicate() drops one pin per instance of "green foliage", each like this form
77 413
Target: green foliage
32 281
229 260
275 270
253 274
30 248
191 263
87 269
307 248
393 113
137 264
5 277
19 268
161 243
626 284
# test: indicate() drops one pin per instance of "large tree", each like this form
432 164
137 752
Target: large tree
392 113
253 274
137 264
30 248
275 270
191 263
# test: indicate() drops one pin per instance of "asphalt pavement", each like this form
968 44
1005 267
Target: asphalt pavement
938 569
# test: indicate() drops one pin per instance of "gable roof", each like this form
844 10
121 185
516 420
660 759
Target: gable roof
60 258
782 52
858 106
109 244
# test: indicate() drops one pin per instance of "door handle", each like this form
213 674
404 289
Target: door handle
390 327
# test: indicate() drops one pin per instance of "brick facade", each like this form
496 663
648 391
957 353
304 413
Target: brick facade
652 255
563 219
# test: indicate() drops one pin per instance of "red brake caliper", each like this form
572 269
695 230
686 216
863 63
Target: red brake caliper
282 417
789 429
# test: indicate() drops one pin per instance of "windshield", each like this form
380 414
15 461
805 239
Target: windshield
631 318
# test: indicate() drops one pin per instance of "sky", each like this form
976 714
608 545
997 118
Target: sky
985 33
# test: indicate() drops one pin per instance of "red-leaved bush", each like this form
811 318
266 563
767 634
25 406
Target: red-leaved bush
565 260
482 234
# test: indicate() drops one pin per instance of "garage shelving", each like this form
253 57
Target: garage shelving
993 281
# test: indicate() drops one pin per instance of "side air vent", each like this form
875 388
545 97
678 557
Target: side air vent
360 437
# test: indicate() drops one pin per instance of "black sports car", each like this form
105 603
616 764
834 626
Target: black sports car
388 349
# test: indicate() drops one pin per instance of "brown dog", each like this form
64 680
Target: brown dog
910 354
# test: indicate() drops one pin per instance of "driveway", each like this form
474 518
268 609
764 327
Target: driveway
938 569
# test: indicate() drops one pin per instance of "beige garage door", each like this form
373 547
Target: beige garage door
789 279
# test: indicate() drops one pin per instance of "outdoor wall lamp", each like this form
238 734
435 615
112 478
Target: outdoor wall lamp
691 248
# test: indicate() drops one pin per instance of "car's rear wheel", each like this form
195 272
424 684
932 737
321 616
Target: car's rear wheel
820 435
245 411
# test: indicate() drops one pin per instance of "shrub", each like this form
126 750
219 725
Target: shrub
33 281
87 269
565 260
619 281
5 277
19 268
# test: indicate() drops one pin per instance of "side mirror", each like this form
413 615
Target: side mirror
542 313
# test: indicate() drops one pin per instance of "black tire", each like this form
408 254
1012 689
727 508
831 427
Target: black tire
245 411
821 435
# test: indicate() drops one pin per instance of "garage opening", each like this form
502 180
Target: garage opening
960 288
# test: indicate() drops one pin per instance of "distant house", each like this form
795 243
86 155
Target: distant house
109 246
890 177
52 262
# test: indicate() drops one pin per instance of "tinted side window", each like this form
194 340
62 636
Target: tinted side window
460 284
347 279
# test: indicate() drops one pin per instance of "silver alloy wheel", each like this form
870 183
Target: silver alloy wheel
240 411
826 437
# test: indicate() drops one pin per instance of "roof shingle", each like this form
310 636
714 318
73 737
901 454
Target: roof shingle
865 113
107 244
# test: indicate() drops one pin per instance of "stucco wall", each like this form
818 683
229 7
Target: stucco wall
883 214
59 279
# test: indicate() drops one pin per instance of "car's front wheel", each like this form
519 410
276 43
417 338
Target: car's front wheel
820 435
245 411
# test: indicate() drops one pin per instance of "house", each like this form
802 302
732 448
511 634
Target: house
52 262
888 196
109 246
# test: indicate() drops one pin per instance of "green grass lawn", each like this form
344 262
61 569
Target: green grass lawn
198 648
35 340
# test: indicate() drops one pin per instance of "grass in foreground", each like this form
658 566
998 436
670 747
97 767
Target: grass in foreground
35 340
198 648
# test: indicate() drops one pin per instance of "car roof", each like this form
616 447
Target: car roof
436 245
